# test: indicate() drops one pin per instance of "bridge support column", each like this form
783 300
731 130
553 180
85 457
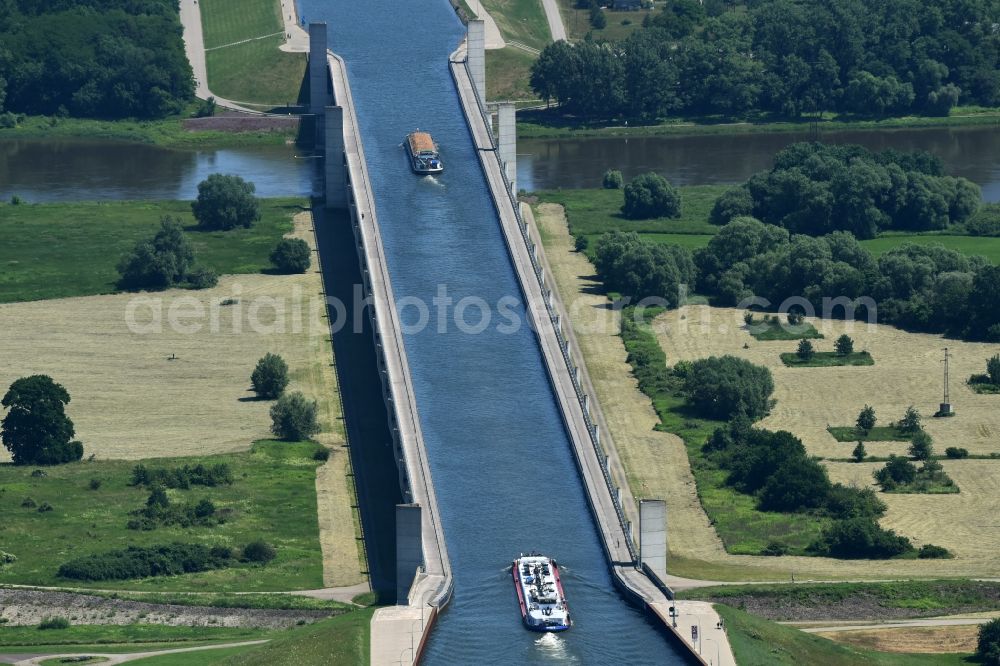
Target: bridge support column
336 171
409 548
476 46
507 138
653 535
319 79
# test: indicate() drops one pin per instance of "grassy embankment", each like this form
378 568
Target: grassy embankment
167 132
856 601
256 71
273 497
759 642
592 212
826 359
118 638
72 249
550 125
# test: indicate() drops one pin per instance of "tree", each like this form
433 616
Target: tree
270 377
259 552
650 195
844 345
723 386
292 255
988 645
613 179
293 417
734 202
225 202
36 429
858 538
866 419
859 452
910 423
993 369
897 472
805 350
921 447
597 18
159 262
798 483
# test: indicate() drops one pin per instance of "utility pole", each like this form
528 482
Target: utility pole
945 409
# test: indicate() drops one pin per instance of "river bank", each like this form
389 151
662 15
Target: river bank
175 132
545 125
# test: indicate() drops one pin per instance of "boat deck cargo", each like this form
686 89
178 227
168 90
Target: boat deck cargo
540 593
423 153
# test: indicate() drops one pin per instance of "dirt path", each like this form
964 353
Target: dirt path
556 26
658 466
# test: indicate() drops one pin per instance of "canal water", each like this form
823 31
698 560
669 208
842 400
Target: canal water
548 164
499 456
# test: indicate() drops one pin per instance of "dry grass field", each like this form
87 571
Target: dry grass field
131 401
927 640
657 463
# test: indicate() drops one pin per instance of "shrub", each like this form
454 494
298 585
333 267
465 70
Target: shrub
206 108
956 452
910 423
922 446
182 477
7 558
866 420
897 472
259 552
144 561
158 262
721 386
38 474
797 484
581 243
15 200
805 350
225 202
293 417
270 377
28 503
54 623
734 202
993 368
860 538
613 179
844 345
849 502
774 549
650 195
291 255
44 507
859 452
988 645
202 277
322 454
931 552
95 484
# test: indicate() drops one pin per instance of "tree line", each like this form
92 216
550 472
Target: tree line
93 58
816 188
784 57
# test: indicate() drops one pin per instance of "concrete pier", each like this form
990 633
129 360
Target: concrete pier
398 633
477 56
319 81
653 535
335 169
507 140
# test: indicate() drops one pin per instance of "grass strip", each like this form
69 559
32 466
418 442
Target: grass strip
827 359
889 433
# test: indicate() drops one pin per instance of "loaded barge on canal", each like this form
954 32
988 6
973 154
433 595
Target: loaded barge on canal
540 593
423 153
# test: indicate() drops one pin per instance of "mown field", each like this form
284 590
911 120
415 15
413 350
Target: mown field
592 212
519 20
273 497
72 249
507 73
758 642
255 72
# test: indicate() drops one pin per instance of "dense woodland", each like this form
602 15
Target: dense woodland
93 58
784 57
792 232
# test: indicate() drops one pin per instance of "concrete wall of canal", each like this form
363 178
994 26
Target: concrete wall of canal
424 579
